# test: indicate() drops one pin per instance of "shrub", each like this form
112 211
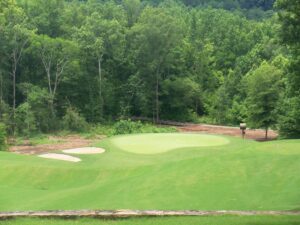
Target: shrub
130 127
100 129
73 121
25 120
5 113
2 137
150 128
206 120
38 100
127 127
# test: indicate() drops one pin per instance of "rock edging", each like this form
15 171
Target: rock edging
137 213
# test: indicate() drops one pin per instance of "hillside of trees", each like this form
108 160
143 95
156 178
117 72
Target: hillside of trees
103 60
227 4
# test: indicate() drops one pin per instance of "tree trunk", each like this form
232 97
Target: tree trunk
266 135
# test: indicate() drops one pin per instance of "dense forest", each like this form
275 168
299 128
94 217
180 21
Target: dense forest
221 62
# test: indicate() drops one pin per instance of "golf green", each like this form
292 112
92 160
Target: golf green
159 143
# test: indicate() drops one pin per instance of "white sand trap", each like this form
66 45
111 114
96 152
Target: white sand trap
60 157
85 151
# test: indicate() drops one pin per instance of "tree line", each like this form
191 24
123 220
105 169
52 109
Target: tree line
97 61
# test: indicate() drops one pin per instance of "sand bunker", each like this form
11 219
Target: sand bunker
60 157
85 151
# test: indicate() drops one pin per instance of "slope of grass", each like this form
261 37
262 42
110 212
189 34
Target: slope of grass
217 220
242 175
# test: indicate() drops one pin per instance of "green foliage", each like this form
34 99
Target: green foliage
206 120
263 95
289 15
73 121
127 127
289 123
154 59
233 4
181 99
100 129
5 112
25 120
38 104
238 113
3 144
131 127
290 20
150 128
220 105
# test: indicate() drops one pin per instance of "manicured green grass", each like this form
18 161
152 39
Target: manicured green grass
241 175
219 220
159 143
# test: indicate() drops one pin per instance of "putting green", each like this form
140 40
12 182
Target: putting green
159 143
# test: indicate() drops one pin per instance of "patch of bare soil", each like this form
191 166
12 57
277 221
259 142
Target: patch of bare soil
67 142
258 134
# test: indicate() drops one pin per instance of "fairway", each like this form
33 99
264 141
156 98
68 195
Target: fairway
231 174
159 143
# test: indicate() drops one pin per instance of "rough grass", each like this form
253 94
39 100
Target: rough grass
40 139
224 220
243 175
109 129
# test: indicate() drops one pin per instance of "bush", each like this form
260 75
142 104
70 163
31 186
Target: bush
127 127
206 120
73 121
2 137
150 128
130 127
99 129
38 100
25 120
5 113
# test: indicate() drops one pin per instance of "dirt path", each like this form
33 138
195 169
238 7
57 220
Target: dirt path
63 143
257 134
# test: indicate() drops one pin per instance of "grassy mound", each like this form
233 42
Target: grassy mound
242 175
